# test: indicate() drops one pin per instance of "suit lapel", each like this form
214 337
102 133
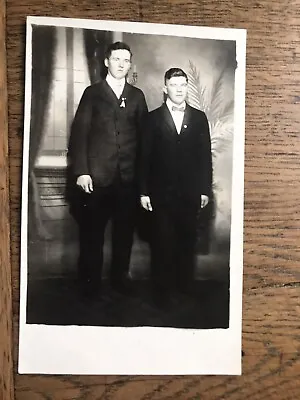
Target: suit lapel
167 119
108 94
126 91
186 119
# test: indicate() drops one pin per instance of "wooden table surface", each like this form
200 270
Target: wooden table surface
271 310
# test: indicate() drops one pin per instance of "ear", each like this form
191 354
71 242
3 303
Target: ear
165 89
106 62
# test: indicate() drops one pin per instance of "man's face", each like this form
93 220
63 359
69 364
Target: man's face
118 63
176 89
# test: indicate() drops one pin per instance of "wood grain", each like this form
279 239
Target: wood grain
271 334
6 361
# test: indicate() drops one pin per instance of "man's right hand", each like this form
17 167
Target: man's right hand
146 203
85 182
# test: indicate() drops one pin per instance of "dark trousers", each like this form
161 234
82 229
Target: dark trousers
173 246
117 202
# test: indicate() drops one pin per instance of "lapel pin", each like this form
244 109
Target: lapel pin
185 126
123 105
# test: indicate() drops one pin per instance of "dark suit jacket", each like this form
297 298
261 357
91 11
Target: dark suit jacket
176 166
105 136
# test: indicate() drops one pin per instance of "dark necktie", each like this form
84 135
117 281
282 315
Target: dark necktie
181 109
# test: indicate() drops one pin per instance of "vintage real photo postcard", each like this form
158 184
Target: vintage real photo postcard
132 198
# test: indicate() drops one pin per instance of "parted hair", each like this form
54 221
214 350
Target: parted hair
117 46
174 72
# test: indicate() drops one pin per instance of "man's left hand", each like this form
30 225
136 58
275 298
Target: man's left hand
204 200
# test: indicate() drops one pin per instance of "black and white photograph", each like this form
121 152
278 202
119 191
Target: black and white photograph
132 198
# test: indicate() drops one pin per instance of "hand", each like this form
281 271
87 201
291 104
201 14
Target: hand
146 203
85 182
204 200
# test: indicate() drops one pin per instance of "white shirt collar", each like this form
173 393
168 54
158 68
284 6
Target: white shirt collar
176 116
113 82
170 103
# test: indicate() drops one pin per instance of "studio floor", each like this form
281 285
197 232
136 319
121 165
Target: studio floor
58 301
54 296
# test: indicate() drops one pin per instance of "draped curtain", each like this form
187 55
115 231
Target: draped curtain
43 46
96 43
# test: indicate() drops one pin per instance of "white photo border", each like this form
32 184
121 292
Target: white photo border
46 349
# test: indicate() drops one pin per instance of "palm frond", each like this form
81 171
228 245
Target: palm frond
228 108
219 109
212 101
194 97
218 98
221 135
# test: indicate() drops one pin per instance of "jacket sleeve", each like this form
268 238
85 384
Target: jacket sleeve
78 143
206 158
141 112
145 159
141 124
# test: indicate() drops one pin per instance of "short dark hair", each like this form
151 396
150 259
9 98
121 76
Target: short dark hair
117 46
175 72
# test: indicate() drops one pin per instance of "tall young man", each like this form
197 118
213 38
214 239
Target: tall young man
103 153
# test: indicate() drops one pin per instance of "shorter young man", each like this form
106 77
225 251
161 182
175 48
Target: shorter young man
175 182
